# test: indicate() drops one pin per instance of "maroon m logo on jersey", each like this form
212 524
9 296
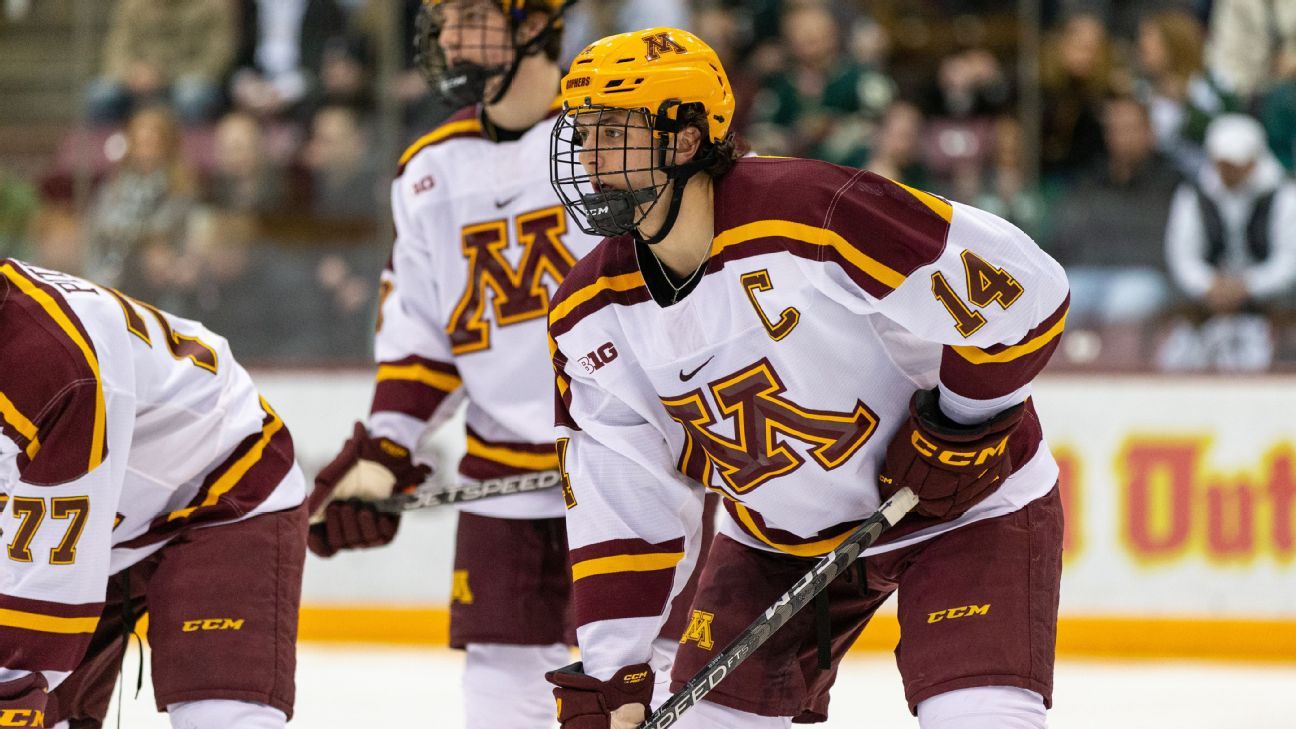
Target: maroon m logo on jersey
660 44
762 421
517 294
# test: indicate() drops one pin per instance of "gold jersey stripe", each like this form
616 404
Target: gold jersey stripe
508 457
25 427
626 563
239 468
47 623
421 374
60 317
937 205
814 236
623 282
976 355
460 127
810 549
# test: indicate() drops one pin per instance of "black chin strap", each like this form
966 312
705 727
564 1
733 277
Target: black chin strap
679 175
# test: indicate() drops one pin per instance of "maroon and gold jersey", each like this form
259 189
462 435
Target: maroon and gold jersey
830 296
482 243
120 427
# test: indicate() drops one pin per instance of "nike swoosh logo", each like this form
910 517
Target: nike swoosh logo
685 378
505 203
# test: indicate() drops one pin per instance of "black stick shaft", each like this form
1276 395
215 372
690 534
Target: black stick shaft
775 616
489 488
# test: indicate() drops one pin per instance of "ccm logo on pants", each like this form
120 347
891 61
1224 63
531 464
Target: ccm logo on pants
190 626
958 612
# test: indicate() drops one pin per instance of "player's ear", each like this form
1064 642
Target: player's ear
532 26
687 144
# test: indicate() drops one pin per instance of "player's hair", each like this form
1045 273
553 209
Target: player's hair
723 154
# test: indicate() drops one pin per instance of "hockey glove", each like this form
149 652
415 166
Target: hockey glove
367 469
949 466
584 702
23 702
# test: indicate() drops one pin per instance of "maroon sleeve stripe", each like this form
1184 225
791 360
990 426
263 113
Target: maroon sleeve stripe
36 635
492 458
414 386
622 595
621 547
987 373
237 486
623 578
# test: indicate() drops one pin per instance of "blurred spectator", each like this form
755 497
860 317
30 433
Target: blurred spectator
244 178
1231 246
1004 190
1252 42
18 204
422 110
175 49
349 303
344 177
1109 233
971 83
823 105
897 153
1278 112
138 215
719 28
1180 96
237 275
282 52
59 239
1077 74
588 21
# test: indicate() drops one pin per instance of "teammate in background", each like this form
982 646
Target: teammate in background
803 339
481 244
139 471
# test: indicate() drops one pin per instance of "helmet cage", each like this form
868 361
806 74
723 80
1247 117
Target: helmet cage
610 203
465 83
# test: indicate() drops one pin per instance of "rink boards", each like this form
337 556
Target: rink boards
1180 495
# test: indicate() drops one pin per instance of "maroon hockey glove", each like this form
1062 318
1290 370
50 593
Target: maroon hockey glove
23 702
584 702
367 469
949 466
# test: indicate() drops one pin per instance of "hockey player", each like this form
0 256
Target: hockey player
481 244
139 471
802 339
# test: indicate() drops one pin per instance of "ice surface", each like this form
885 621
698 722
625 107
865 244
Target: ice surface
365 686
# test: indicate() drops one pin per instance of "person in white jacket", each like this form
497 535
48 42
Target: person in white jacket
1231 248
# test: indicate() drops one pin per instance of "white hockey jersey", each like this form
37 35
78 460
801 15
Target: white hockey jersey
120 426
482 242
831 295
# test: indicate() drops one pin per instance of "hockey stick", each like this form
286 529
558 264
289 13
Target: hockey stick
502 486
775 616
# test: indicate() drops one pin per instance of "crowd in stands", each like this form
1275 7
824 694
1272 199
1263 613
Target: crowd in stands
235 172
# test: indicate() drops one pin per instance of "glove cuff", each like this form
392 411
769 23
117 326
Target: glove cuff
925 409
